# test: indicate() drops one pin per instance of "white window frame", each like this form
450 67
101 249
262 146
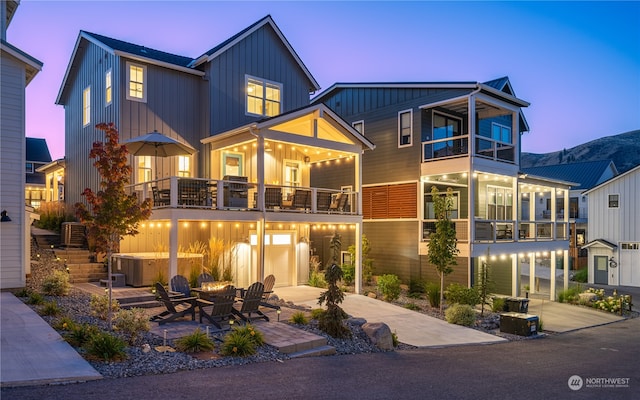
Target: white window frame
108 88
264 83
291 184
142 99
400 133
86 106
361 123
144 169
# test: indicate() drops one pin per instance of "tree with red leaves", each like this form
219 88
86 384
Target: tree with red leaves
114 212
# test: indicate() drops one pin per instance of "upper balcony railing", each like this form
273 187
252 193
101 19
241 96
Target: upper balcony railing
502 230
236 193
499 151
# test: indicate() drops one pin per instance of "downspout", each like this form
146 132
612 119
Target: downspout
472 183
260 230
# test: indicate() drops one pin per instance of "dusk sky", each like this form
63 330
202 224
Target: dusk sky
577 63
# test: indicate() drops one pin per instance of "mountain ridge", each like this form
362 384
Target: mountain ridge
623 149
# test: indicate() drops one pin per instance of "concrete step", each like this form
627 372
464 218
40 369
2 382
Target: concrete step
325 350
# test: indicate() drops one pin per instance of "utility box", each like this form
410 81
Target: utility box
519 323
516 304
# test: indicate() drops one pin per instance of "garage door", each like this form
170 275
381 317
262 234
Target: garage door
630 264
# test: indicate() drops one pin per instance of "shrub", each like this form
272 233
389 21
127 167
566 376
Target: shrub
348 273
581 275
53 214
331 321
389 286
64 324
394 339
238 343
131 322
460 314
458 294
571 295
299 318
416 287
196 342
50 308
432 290
99 306
497 305
317 313
24 292
79 335
106 347
56 284
412 306
316 279
35 298
256 336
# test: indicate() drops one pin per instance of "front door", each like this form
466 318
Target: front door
601 270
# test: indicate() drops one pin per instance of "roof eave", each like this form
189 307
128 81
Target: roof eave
163 64
33 65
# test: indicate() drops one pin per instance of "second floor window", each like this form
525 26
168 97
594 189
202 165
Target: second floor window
86 106
107 88
613 200
263 97
136 82
30 168
359 126
405 128
501 133
184 166
144 169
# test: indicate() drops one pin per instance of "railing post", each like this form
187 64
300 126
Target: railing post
173 191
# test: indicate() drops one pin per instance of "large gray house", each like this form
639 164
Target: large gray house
244 106
465 136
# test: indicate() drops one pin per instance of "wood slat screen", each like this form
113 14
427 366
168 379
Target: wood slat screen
390 201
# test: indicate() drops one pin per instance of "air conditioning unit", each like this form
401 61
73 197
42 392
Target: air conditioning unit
73 234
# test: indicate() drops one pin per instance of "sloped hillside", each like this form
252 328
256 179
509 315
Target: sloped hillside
623 149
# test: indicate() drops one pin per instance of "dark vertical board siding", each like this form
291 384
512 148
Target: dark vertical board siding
394 248
429 273
262 55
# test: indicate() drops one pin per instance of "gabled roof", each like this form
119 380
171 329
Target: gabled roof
233 40
633 170
10 8
37 150
585 174
32 65
501 84
600 243
140 51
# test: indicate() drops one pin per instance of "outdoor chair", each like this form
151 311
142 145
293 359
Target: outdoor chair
301 199
180 285
272 197
160 197
269 282
323 201
204 277
250 303
220 308
175 308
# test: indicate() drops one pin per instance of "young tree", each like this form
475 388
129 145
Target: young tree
114 213
331 320
442 243
484 281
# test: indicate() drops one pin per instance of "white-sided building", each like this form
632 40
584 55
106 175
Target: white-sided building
614 226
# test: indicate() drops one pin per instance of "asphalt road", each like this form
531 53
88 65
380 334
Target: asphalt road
530 369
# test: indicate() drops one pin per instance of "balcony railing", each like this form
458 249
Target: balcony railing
497 231
236 193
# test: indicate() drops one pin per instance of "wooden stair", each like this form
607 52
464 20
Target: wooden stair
80 267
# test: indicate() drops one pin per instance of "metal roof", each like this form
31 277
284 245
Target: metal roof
587 174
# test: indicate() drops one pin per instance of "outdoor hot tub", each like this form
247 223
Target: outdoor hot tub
144 269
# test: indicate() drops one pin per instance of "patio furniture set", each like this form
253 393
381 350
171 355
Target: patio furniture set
216 302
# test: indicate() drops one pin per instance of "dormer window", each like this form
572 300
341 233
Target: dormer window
263 97
136 82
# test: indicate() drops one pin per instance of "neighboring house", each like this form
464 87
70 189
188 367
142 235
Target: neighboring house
244 106
17 69
54 180
585 175
614 230
460 135
37 155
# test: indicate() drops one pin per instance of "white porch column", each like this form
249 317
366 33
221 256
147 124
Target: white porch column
515 272
565 254
260 233
358 260
552 278
260 171
173 248
532 272
554 211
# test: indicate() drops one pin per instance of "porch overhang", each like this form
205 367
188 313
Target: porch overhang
600 243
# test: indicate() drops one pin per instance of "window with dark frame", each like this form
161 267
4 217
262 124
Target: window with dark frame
405 128
613 200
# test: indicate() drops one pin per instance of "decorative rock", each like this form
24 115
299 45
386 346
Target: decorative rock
380 334
146 348
372 295
356 321
586 296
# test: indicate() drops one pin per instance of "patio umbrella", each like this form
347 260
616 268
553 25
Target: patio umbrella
157 145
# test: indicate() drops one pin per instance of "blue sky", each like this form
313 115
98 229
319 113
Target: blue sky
577 63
